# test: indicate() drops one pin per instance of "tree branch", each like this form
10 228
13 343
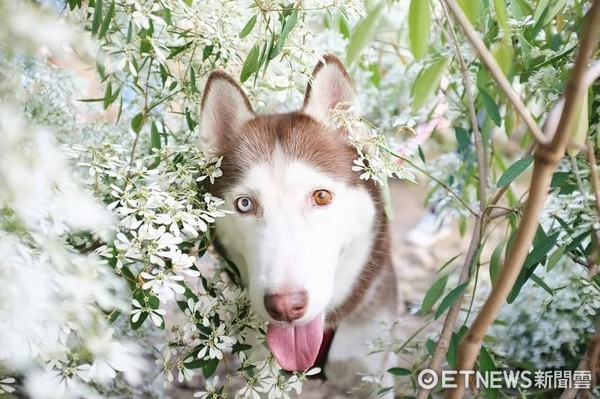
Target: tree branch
588 363
494 69
547 157
450 322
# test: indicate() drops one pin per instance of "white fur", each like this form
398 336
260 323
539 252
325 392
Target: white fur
223 112
292 243
329 87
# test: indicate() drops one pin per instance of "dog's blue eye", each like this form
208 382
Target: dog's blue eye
244 205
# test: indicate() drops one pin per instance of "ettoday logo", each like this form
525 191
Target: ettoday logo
512 379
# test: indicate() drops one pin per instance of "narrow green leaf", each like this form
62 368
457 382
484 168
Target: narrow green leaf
136 122
452 352
490 106
540 8
343 26
503 53
502 15
154 137
427 83
248 27
251 65
486 365
375 75
433 295
542 284
450 299
399 371
209 367
495 263
540 250
515 170
289 24
419 21
107 19
97 19
555 257
548 13
473 9
462 138
193 86
107 95
363 34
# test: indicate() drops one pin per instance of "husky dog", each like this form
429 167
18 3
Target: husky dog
310 238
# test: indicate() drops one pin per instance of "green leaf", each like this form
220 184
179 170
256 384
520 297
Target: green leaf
452 352
155 138
472 9
193 86
251 65
209 367
289 24
427 83
555 257
343 26
514 171
107 19
375 75
540 250
462 138
486 364
502 15
419 21
137 122
503 53
248 27
490 106
363 34
399 371
433 295
450 299
97 19
542 284
495 263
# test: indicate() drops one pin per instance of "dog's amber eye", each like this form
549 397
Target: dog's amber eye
244 205
322 197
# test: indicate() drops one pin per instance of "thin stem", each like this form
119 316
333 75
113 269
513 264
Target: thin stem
479 148
588 363
593 267
438 181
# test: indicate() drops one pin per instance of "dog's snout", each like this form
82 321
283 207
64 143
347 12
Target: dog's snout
287 306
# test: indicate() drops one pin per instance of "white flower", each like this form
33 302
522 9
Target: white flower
5 385
211 387
155 314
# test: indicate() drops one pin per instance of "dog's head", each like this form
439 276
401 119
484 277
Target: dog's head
301 221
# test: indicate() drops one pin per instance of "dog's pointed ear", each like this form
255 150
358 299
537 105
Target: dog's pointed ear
330 85
224 109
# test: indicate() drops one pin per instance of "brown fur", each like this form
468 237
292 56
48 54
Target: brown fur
300 137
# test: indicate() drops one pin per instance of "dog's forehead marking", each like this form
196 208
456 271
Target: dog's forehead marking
286 137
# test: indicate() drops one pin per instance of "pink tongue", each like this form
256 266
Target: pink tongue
296 347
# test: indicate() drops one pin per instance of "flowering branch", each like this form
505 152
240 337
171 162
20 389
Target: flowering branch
547 157
494 69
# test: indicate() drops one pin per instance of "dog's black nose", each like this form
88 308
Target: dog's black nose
288 306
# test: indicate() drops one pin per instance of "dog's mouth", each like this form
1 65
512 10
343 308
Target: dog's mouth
296 347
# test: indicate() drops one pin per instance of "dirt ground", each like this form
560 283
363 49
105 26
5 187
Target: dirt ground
416 270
